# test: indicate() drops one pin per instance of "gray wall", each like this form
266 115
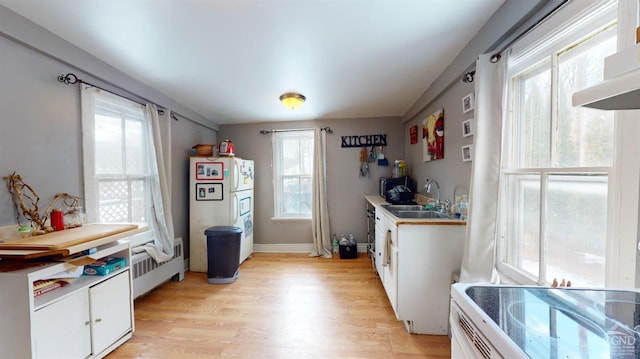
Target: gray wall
450 172
40 137
346 190
184 135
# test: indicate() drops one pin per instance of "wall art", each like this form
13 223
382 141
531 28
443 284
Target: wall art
467 103
467 128
413 134
364 140
467 153
433 136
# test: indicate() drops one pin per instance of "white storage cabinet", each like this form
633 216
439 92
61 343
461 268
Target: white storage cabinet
85 319
417 277
386 230
427 257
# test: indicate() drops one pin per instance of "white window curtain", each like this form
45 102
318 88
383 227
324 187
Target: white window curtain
320 225
158 129
478 263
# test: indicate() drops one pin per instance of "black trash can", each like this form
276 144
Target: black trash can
223 253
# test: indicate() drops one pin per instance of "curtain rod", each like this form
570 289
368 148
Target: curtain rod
549 9
72 79
264 132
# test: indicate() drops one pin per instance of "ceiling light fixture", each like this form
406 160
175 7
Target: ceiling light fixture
292 100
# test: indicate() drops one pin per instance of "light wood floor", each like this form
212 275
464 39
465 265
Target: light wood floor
281 306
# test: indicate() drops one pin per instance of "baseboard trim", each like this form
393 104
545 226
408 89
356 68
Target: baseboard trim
293 248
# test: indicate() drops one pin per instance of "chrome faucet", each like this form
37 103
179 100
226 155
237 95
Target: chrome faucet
428 189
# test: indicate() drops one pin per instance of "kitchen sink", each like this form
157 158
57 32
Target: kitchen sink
413 211
405 207
419 214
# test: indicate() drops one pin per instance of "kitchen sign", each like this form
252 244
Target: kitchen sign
364 141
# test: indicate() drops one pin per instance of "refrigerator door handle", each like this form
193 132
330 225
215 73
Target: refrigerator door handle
236 174
236 208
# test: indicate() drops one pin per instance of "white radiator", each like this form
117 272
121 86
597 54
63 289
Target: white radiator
148 274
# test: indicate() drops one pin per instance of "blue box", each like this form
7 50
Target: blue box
105 266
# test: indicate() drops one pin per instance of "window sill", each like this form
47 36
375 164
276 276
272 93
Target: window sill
289 219
511 275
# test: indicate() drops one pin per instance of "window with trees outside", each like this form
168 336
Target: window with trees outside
557 159
293 166
116 165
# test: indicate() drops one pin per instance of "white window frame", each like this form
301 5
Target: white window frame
91 105
533 49
278 176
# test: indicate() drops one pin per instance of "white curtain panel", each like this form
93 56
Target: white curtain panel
320 212
87 99
478 263
158 128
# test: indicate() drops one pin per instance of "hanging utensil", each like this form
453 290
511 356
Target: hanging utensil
381 160
364 165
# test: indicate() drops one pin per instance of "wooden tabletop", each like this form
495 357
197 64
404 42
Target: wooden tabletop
65 242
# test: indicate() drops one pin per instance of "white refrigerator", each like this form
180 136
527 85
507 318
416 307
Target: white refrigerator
221 194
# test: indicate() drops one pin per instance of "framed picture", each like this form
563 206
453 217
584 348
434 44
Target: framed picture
467 153
413 133
467 103
433 136
467 129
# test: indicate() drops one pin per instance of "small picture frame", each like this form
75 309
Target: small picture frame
467 103
413 134
467 153
467 128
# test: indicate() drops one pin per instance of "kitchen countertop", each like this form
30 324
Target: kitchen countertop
377 201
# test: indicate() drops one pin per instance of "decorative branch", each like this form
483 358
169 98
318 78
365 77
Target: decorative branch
20 192
25 201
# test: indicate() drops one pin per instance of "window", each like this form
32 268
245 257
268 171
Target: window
293 166
117 171
557 159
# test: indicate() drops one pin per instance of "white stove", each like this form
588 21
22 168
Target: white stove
499 321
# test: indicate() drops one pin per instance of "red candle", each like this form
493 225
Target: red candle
57 219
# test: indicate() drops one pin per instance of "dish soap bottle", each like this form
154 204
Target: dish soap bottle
464 204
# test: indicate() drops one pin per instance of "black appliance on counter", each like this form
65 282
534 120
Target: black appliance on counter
400 195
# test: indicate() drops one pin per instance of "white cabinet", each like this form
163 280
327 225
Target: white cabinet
379 240
428 255
85 319
387 256
70 338
110 311
390 270
416 266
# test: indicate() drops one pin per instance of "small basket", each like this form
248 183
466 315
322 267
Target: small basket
203 150
348 251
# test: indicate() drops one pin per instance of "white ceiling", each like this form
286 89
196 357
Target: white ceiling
230 60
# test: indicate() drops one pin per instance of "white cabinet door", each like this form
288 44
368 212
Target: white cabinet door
110 311
428 257
390 276
379 239
62 329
